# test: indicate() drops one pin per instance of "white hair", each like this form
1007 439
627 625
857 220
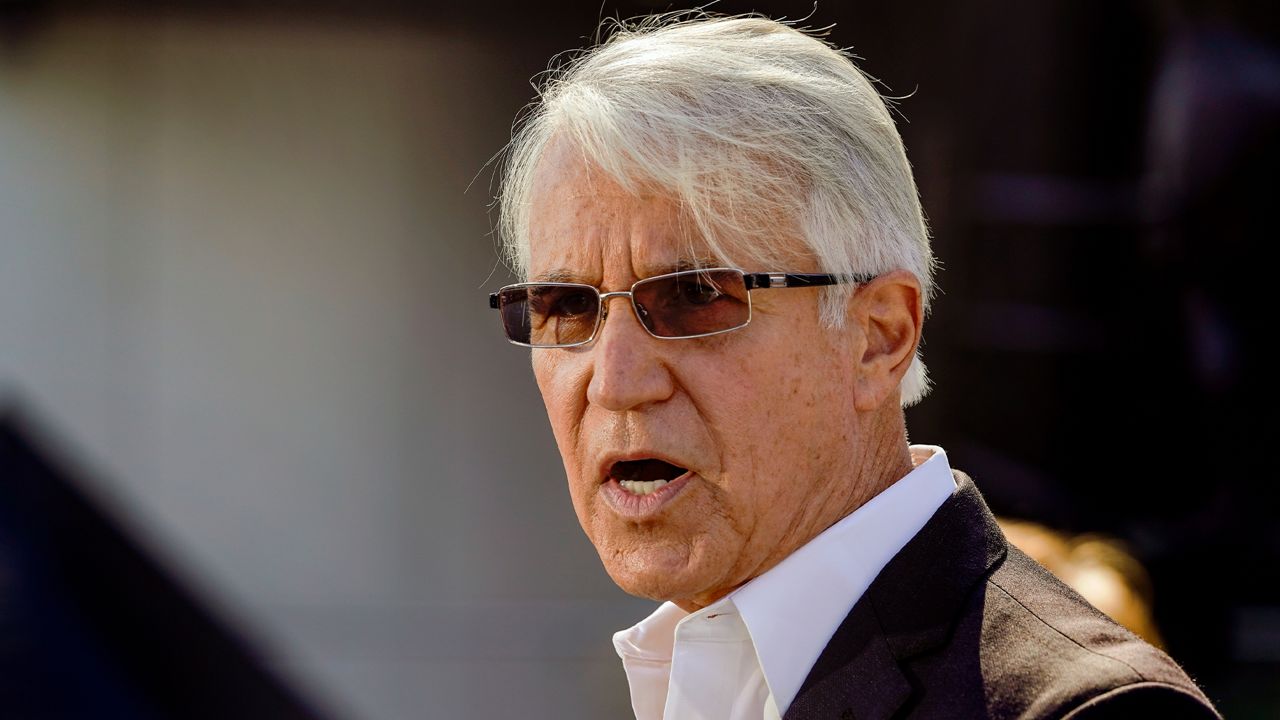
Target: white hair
752 126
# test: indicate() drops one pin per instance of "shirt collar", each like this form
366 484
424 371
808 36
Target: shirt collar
794 608
653 638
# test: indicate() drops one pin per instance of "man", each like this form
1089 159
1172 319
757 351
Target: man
728 276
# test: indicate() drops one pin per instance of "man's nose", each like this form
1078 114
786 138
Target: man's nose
628 364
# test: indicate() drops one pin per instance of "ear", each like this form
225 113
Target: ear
888 313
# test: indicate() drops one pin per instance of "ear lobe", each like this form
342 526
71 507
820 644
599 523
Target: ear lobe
889 314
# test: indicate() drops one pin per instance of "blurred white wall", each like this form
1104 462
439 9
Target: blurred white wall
238 270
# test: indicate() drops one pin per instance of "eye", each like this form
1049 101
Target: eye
571 302
699 292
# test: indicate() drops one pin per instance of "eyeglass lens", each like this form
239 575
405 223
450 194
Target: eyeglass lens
687 304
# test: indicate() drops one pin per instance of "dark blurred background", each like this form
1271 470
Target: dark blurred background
244 248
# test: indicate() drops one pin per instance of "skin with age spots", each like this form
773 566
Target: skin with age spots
787 426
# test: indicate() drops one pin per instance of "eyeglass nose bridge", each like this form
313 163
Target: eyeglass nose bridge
604 297
604 309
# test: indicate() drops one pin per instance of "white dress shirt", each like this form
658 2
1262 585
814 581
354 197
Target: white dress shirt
746 655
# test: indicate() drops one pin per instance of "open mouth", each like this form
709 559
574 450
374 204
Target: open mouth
641 477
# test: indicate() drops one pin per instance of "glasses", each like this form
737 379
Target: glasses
678 305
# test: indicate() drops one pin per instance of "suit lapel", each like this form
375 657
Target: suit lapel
910 608
856 676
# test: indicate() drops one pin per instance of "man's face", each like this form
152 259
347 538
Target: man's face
761 418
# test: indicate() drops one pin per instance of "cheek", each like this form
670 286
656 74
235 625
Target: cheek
779 426
564 397
777 393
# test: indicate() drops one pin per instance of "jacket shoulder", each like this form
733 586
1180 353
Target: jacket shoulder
962 624
1046 652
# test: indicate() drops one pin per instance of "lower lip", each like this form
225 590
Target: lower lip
639 507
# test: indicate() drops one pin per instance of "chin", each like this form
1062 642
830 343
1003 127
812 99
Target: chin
657 574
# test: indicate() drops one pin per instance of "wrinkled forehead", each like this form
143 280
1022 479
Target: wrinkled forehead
585 223
596 226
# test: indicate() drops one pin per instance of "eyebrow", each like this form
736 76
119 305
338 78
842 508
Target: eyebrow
557 275
699 263
680 265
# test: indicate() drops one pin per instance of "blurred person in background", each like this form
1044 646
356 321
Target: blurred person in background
736 192
1101 569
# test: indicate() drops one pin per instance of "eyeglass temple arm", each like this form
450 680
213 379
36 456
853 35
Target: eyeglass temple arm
785 280
493 300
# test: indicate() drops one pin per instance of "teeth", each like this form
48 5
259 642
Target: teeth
641 487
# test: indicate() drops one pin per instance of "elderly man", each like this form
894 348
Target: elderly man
734 193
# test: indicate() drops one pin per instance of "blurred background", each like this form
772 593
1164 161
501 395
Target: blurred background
244 252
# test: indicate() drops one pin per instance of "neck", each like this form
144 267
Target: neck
880 461
886 459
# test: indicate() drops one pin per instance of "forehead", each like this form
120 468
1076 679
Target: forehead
585 224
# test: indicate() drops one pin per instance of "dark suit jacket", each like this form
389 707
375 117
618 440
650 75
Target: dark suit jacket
960 624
